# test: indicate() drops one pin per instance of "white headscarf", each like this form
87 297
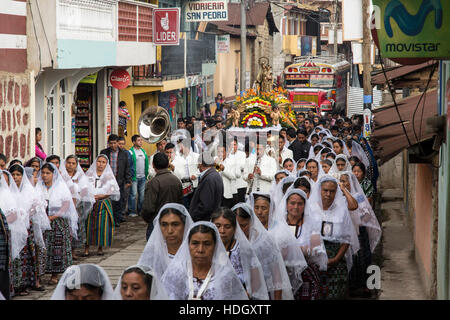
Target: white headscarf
277 193
155 254
35 206
292 254
59 195
274 181
358 151
269 255
108 183
343 230
345 150
309 238
9 204
157 291
81 189
80 274
364 215
222 282
320 171
294 171
334 171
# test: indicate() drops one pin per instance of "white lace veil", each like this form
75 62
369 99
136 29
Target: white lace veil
277 193
155 254
294 171
364 214
320 172
80 274
310 239
338 214
79 184
358 151
35 205
18 218
292 254
269 255
108 181
224 284
345 150
334 171
157 291
60 200
274 182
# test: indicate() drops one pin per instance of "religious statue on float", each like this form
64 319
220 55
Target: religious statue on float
264 80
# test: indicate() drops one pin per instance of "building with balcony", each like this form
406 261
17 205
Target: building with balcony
73 48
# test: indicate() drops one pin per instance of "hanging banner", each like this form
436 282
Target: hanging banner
413 28
215 10
223 43
91 79
166 26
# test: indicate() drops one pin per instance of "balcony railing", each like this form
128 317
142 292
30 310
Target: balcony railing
147 72
135 21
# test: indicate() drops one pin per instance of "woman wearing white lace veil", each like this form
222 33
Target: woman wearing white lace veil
140 283
63 219
201 269
267 251
84 282
368 230
329 207
82 195
281 188
316 170
293 257
15 215
294 209
324 134
339 147
300 164
340 164
357 151
100 221
26 268
290 166
171 227
279 175
35 164
314 140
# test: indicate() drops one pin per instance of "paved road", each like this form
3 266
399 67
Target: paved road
129 241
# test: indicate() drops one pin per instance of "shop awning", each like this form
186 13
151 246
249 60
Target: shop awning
388 137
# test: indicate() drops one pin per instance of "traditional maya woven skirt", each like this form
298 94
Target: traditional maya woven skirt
335 279
59 246
24 267
100 224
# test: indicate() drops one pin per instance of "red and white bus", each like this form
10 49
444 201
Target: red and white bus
318 82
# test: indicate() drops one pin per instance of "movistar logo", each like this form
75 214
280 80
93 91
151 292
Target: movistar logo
411 24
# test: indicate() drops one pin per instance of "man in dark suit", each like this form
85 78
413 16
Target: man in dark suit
118 160
164 188
300 147
209 192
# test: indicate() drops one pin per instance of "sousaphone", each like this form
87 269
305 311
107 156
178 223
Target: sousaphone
154 124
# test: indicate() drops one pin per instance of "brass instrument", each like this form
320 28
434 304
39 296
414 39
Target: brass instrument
250 187
218 167
154 124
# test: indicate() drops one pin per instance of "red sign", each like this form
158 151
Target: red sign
166 26
120 79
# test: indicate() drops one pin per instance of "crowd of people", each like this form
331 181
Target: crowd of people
285 216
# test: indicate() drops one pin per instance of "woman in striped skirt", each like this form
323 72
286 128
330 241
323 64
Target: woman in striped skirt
100 221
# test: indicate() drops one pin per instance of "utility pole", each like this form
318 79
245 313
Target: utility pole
243 44
367 68
335 44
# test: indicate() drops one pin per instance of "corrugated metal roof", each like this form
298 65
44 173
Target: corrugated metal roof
399 72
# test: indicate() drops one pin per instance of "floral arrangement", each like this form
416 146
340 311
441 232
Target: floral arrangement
255 119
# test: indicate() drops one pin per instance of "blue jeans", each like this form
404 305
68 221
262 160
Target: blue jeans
137 187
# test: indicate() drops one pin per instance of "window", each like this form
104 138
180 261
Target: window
51 125
63 109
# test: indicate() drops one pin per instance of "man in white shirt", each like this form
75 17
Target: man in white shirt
241 184
229 172
186 169
261 169
159 148
283 152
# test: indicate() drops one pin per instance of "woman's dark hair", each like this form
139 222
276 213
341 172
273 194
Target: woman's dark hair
202 229
16 167
326 144
331 154
340 160
286 186
325 150
72 156
34 159
49 167
339 142
328 162
226 213
242 213
312 160
317 147
37 130
304 173
361 166
15 161
302 182
53 157
354 158
315 135
349 143
287 160
147 277
258 196
173 211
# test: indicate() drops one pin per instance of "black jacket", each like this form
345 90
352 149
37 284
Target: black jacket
123 175
207 197
164 188
300 150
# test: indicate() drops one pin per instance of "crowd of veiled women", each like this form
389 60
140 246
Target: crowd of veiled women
310 236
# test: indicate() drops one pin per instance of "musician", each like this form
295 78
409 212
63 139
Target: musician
159 148
185 165
169 150
229 172
284 153
241 184
261 169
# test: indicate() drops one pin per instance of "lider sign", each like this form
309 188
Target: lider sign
166 26
213 10
413 28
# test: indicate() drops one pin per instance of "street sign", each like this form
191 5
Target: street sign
213 10
166 26
223 43
120 79
413 28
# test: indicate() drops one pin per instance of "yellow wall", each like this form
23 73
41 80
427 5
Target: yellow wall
227 63
133 97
